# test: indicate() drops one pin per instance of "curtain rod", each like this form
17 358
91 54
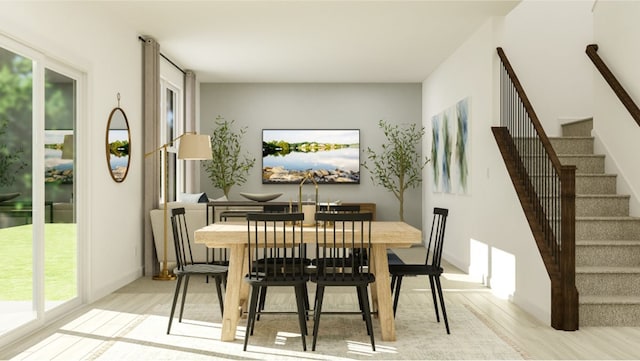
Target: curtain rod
165 57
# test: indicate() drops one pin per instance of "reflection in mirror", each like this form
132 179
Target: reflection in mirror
118 138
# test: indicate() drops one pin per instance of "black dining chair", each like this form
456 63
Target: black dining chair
275 248
279 208
186 267
431 267
337 266
339 208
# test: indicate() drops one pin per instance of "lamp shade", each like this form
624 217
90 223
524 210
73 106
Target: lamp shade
67 147
194 147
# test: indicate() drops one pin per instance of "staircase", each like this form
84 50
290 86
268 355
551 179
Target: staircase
607 238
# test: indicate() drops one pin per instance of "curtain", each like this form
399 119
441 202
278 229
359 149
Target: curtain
151 116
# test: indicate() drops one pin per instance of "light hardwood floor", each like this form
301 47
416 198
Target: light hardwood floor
534 340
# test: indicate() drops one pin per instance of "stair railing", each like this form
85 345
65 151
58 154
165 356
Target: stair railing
546 190
592 53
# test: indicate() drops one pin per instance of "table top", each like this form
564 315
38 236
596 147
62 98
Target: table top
391 234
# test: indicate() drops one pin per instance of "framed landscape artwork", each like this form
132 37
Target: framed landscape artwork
58 169
331 156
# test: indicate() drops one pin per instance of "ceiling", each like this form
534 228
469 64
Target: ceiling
307 41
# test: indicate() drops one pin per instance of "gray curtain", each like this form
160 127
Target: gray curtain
151 116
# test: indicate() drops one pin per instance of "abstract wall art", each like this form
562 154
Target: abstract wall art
450 149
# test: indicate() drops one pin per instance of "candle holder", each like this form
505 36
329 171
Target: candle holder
308 210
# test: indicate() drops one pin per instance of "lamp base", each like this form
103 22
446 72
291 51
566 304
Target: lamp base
164 276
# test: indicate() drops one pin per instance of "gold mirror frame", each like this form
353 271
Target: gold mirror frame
118 132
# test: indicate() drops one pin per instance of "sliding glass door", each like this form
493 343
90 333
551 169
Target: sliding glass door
60 241
16 188
38 177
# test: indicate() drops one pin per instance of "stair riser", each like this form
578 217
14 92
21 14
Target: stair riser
602 206
608 229
596 185
609 315
600 255
578 129
585 185
605 284
585 164
572 146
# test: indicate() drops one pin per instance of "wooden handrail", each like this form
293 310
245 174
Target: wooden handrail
546 190
592 53
529 108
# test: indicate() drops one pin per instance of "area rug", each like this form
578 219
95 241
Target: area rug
277 337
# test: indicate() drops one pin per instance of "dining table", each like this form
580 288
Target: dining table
233 236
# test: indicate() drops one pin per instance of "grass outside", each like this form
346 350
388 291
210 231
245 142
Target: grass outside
16 256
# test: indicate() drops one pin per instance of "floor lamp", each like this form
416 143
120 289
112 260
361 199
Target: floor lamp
191 147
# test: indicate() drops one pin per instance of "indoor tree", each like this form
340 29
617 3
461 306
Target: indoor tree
398 165
228 167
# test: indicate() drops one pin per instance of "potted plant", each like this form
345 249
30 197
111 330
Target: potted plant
228 167
398 166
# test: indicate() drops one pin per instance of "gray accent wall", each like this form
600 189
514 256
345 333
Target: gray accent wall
315 106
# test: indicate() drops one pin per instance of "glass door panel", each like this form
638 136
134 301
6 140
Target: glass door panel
60 241
16 201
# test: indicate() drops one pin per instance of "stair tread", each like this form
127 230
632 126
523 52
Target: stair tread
612 218
573 137
578 175
585 155
598 242
584 299
596 175
607 269
587 195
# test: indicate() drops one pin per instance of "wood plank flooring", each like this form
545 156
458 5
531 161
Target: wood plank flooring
534 339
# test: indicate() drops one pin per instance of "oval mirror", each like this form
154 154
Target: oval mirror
118 138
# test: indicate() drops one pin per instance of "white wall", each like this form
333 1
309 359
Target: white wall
489 217
109 213
616 33
488 234
545 42
324 106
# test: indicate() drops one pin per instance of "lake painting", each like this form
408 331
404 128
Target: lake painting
57 169
330 156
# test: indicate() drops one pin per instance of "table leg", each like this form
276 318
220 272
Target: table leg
233 296
381 292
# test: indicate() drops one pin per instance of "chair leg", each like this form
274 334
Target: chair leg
175 300
393 282
433 294
362 298
219 289
184 296
360 301
367 313
252 315
307 306
302 314
396 296
316 316
263 298
444 310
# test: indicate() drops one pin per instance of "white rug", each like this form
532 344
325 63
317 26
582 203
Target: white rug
142 335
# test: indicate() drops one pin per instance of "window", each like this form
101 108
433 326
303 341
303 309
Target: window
172 121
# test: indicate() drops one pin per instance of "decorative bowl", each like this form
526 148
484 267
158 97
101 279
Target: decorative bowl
8 196
261 197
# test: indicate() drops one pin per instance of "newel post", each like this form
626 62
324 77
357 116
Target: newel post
568 250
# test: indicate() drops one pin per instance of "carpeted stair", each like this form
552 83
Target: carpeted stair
607 238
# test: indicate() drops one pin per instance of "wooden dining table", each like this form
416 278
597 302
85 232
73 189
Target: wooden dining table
233 236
